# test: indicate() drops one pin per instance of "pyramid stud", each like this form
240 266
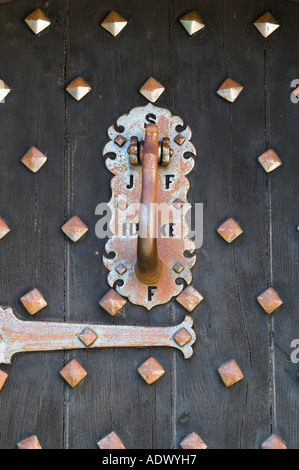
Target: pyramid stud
179 139
112 302
4 228
3 377
178 268
151 370
38 21
34 159
192 22
29 443
4 90
111 441
177 203
230 90
296 92
78 88
73 373
122 205
229 230
74 228
266 24
193 441
33 301
114 23
87 336
274 442
121 269
152 90
269 300
189 298
120 140
230 373
269 160
182 337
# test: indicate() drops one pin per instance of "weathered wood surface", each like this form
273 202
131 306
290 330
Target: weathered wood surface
227 179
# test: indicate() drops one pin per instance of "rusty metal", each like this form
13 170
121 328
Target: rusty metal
114 23
4 228
274 442
30 443
189 298
87 336
4 90
78 88
19 336
269 300
182 337
178 267
230 90
34 159
112 302
33 301
269 160
179 139
230 373
193 441
171 250
266 24
229 230
74 228
120 140
192 22
151 370
152 90
37 21
73 373
3 378
111 441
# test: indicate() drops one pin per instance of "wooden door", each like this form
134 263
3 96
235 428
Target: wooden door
227 179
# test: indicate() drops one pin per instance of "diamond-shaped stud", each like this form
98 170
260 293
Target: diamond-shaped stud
151 370
266 24
193 441
112 302
177 203
274 442
74 228
269 160
73 373
78 88
4 90
269 300
3 377
189 298
122 205
38 21
4 228
114 23
111 441
33 301
88 336
229 230
230 90
34 159
179 139
29 443
121 269
120 140
178 268
182 337
230 373
192 22
152 90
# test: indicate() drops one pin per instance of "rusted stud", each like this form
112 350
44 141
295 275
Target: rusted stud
152 90
151 370
266 24
112 302
122 205
177 203
37 21
3 377
34 159
4 90
73 373
230 373
182 337
179 139
192 22
229 230
230 90
87 336
274 442
189 298
269 300
4 228
111 441
193 441
121 269
30 443
296 92
269 160
120 140
114 23
178 268
74 228
33 301
78 88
